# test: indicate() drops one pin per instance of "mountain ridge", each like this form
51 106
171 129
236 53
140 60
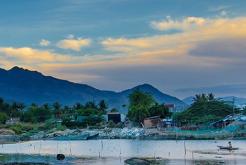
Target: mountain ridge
23 85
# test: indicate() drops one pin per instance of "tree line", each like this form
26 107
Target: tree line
205 108
40 113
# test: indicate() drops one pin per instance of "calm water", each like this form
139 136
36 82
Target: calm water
116 151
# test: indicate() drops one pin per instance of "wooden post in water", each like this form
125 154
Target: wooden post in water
184 147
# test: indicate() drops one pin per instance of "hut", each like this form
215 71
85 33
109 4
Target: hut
152 122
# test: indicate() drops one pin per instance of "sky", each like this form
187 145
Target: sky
178 46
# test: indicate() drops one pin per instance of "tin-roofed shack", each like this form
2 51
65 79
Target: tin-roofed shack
152 122
115 117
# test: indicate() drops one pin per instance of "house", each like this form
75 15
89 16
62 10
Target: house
228 120
171 107
115 117
152 122
167 122
13 121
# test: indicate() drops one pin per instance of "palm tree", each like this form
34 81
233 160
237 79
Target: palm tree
211 97
57 109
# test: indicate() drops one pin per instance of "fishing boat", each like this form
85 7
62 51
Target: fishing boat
227 148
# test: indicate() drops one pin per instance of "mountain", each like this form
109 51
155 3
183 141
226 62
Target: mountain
238 101
188 100
218 90
18 84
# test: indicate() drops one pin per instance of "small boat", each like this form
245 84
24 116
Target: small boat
93 136
227 148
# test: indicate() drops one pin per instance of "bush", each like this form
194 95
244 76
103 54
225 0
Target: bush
3 118
36 114
204 111
111 124
21 128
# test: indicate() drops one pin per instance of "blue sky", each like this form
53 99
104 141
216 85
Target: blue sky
116 44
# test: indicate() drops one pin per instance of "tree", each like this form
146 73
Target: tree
139 105
90 104
102 106
36 114
244 110
211 97
57 110
205 109
159 110
78 106
3 118
114 110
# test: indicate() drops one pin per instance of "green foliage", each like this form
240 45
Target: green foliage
111 124
90 104
159 110
139 105
143 105
3 118
114 110
57 110
205 109
36 114
88 112
21 128
11 109
244 111
102 106
18 129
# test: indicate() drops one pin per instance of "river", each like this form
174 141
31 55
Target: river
116 151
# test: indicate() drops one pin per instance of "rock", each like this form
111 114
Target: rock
145 161
137 161
60 156
6 132
8 136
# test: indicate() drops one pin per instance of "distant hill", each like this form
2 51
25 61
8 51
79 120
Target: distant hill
238 101
18 84
188 100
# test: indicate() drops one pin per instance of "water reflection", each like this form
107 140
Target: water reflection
116 151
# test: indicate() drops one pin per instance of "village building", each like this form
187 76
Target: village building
152 122
168 122
237 119
115 117
171 107
13 121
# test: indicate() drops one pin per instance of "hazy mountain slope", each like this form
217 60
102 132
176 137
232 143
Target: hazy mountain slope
33 87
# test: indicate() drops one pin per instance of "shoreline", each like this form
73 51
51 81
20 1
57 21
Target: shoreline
122 133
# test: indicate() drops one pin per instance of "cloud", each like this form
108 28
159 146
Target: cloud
185 24
30 55
219 34
231 47
44 42
203 56
223 13
124 44
74 44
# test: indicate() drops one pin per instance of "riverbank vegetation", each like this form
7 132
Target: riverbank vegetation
205 109
143 105
48 118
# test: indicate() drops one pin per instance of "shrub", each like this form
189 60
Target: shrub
3 118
